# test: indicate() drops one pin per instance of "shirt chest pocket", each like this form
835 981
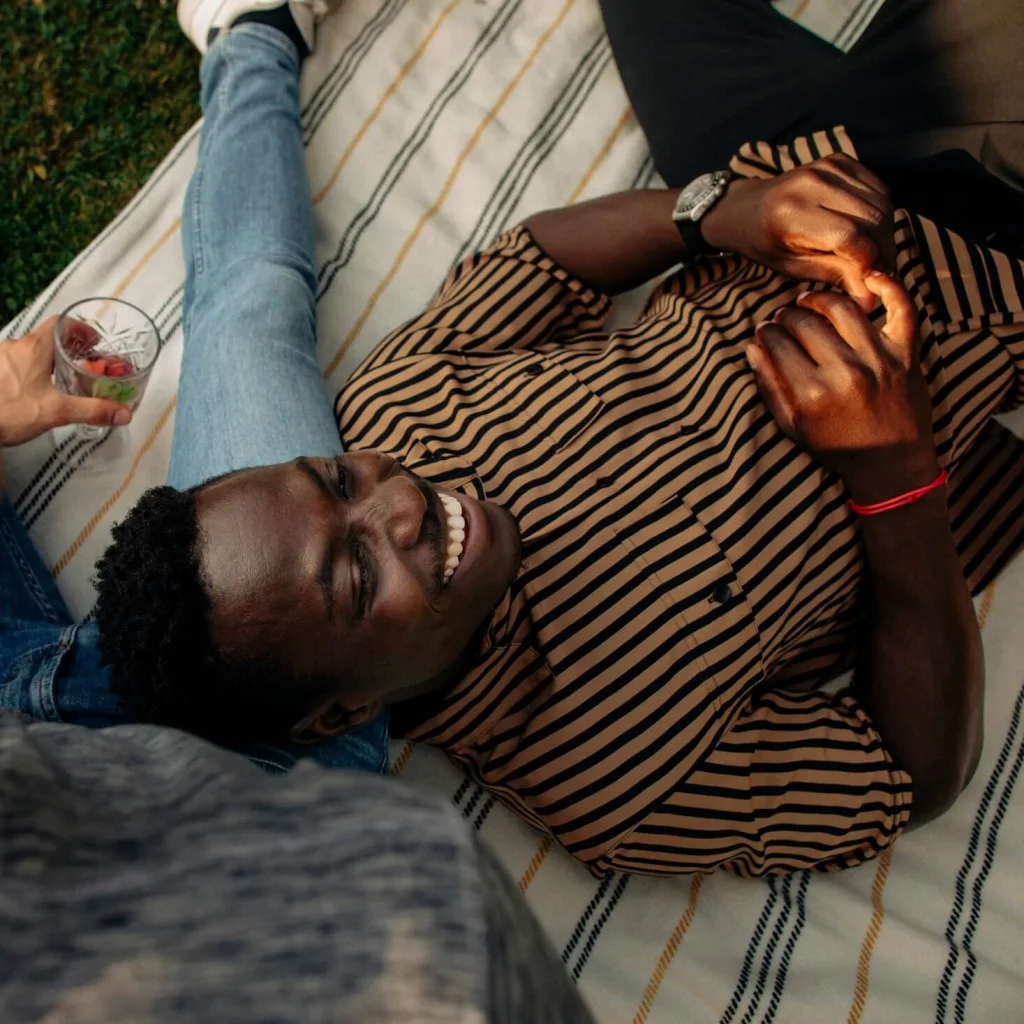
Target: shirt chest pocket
539 406
692 579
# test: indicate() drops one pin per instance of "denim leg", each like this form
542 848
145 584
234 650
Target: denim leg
27 590
49 667
252 392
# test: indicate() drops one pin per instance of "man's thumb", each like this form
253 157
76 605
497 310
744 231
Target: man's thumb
839 271
97 412
855 286
901 329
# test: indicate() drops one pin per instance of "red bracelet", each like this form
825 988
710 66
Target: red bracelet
910 498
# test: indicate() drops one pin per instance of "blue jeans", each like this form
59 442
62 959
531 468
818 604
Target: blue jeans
251 390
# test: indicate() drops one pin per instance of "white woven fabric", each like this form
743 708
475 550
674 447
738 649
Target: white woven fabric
430 125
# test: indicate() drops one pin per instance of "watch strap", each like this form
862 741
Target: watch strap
693 237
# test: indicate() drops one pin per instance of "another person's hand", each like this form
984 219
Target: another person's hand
830 220
30 404
851 395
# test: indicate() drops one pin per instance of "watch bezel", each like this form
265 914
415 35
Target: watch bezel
695 208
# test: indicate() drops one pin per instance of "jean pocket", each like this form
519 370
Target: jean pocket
31 656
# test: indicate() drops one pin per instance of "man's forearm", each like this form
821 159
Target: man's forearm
922 671
614 243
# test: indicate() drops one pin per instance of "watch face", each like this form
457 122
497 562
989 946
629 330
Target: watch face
692 194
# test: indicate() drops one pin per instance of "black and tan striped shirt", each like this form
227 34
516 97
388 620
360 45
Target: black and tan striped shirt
649 692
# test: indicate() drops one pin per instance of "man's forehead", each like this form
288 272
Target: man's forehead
261 545
238 480
250 522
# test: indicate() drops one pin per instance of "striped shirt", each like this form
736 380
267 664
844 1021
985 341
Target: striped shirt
649 691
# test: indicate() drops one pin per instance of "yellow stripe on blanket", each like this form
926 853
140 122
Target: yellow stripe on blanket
862 984
436 205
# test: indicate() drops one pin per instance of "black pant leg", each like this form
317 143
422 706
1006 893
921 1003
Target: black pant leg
932 95
705 76
930 76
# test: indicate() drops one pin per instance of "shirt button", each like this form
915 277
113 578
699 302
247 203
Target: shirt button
722 594
534 369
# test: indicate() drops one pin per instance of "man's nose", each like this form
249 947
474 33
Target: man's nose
404 506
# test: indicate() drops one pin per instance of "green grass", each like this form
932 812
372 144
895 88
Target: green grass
93 94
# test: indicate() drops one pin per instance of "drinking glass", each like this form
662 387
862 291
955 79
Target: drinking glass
105 348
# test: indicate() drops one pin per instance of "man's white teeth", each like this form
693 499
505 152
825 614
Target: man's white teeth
456 533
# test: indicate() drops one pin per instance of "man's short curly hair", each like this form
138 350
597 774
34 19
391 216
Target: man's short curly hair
154 613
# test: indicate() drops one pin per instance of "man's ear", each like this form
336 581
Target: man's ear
331 719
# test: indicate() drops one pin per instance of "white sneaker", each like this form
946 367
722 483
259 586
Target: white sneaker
198 18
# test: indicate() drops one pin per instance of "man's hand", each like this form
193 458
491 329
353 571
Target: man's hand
830 220
856 399
30 404
851 395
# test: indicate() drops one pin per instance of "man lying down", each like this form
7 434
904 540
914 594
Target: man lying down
605 572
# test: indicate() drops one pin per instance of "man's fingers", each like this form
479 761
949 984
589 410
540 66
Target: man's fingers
852 282
900 332
44 331
828 232
815 334
847 317
876 221
847 195
41 339
845 245
788 354
60 410
854 169
773 388
832 270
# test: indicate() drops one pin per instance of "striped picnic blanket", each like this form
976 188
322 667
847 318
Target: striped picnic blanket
429 126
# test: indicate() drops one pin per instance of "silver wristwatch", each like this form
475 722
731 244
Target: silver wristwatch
694 201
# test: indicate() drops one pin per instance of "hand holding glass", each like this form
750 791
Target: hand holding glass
105 348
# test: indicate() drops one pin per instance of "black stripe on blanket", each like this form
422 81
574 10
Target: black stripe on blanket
322 101
485 812
412 145
855 23
597 927
644 173
534 151
468 797
962 961
786 929
588 912
782 970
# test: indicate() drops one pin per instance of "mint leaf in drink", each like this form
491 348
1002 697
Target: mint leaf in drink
107 387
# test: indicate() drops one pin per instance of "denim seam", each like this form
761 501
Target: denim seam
29 577
45 682
198 268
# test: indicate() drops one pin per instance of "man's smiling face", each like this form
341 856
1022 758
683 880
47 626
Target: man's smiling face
335 569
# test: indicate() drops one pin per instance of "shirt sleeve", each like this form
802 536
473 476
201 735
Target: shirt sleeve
511 296
800 780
